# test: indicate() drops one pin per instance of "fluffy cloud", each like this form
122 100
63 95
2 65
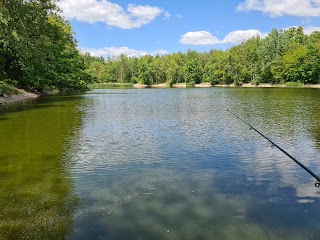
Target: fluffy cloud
206 38
309 30
199 38
277 8
111 13
116 51
238 36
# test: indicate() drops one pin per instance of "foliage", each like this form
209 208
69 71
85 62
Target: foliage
294 84
37 47
6 88
38 51
282 56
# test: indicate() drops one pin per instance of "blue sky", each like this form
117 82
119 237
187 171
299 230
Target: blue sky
138 27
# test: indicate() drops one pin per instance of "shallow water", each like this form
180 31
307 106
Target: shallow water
161 164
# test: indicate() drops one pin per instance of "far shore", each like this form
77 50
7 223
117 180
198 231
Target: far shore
266 85
208 85
179 85
24 96
200 85
160 85
203 85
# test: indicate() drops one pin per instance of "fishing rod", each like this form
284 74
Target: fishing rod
273 144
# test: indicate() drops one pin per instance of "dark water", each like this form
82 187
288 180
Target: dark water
161 164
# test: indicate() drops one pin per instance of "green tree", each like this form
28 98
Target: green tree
38 47
193 68
214 68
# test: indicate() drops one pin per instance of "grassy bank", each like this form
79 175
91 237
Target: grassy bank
10 94
294 84
7 89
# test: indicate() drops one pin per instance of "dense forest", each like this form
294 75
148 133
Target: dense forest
38 51
282 56
37 47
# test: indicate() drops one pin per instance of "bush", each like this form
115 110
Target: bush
293 84
7 89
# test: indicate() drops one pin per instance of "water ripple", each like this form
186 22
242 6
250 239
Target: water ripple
174 164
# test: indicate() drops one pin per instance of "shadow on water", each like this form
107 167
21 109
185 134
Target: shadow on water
37 192
42 102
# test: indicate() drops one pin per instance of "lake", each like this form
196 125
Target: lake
161 164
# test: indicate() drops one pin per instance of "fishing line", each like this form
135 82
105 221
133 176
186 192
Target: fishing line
273 144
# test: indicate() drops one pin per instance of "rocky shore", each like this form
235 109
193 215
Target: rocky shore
20 97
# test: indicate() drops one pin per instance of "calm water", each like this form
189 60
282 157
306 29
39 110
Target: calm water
161 164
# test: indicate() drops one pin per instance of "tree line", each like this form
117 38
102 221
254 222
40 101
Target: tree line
38 51
37 47
282 56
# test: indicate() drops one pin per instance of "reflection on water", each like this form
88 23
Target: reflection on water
173 164
37 198
162 164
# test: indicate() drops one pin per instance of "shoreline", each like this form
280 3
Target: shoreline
23 96
200 85
265 85
203 85
16 98
208 85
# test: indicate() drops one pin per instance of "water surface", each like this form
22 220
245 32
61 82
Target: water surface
161 164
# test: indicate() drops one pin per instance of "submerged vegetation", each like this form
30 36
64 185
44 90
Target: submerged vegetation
283 56
38 51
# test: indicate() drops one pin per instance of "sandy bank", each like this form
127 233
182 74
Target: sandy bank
179 85
224 85
262 85
22 96
161 85
312 86
138 85
248 85
203 85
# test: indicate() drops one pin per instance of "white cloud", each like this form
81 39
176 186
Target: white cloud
206 38
236 37
110 13
167 15
275 8
159 52
116 51
179 15
199 38
307 30
310 29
